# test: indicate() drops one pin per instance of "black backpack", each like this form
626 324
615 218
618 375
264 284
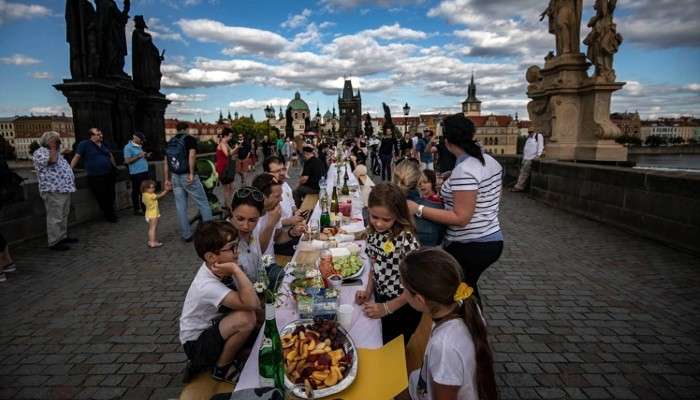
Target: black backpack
176 154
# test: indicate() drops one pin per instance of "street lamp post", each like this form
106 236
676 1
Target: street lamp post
406 110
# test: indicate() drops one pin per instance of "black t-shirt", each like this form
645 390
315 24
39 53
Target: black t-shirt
446 160
406 144
244 150
190 144
388 146
313 168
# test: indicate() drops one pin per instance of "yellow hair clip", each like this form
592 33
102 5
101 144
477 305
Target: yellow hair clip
463 292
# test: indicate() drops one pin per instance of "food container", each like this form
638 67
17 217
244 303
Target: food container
349 376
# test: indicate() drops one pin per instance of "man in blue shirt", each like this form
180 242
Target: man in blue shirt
100 168
135 158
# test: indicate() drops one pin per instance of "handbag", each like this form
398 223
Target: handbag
229 173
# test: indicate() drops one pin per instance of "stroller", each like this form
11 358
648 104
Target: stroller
210 179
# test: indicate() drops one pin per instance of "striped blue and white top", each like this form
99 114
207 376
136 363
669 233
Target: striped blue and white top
470 174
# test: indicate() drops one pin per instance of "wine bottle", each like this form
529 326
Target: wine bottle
335 205
270 363
345 190
325 220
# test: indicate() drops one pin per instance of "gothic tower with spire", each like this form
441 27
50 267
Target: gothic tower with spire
471 107
350 107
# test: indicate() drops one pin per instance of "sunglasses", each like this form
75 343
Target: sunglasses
249 191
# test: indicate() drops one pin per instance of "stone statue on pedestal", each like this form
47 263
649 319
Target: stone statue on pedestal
388 123
603 41
569 106
564 23
81 35
369 130
288 127
112 37
145 65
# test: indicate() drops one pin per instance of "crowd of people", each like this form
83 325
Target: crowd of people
430 236
433 229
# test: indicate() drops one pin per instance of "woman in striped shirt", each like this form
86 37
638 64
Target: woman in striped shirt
472 195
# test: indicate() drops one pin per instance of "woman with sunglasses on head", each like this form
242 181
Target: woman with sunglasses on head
247 206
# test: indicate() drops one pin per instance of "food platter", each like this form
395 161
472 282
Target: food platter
337 354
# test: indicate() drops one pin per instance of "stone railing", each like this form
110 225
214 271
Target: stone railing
664 206
26 219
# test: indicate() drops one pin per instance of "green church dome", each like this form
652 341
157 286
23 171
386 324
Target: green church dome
298 104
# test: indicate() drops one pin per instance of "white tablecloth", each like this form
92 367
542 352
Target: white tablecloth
365 332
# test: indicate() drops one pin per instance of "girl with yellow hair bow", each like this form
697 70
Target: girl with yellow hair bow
458 362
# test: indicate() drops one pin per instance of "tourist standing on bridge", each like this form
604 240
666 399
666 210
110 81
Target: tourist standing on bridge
135 158
534 146
388 149
180 158
101 170
56 183
472 195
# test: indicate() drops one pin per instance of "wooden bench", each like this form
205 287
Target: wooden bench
203 387
309 202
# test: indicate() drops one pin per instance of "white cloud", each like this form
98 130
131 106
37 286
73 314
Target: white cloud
181 98
391 32
19 59
295 21
162 32
40 75
10 11
660 23
243 40
253 104
50 110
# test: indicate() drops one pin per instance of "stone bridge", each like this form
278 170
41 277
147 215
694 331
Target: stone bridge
576 310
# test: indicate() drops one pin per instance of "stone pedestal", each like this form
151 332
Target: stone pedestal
574 111
150 119
118 110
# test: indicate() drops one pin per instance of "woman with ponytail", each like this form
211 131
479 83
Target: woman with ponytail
471 195
458 362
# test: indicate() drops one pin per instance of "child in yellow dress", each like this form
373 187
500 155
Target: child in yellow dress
150 200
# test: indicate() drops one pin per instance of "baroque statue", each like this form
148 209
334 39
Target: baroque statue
81 35
112 36
565 24
145 58
388 123
369 130
603 41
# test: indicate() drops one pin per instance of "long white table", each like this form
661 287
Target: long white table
365 332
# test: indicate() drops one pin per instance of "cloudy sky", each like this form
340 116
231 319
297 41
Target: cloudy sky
241 55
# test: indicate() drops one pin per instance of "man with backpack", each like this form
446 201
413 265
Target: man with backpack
180 158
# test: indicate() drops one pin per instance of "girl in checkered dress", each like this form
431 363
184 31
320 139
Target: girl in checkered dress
392 236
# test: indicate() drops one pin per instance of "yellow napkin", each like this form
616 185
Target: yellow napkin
381 373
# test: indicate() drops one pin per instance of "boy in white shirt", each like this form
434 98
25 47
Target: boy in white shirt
216 321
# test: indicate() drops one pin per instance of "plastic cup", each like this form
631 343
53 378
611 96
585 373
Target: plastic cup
335 282
345 316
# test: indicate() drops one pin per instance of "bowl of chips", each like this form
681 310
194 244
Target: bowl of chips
320 358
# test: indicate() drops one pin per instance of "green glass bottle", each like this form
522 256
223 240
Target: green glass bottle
325 220
270 363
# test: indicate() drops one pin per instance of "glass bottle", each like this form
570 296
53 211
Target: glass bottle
270 362
335 208
325 220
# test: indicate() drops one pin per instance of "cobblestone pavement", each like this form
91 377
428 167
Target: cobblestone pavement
576 310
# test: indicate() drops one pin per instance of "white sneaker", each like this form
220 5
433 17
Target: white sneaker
9 268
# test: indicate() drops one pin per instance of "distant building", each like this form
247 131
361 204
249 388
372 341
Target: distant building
498 134
350 108
203 131
30 129
7 129
683 127
523 126
629 123
300 111
471 106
